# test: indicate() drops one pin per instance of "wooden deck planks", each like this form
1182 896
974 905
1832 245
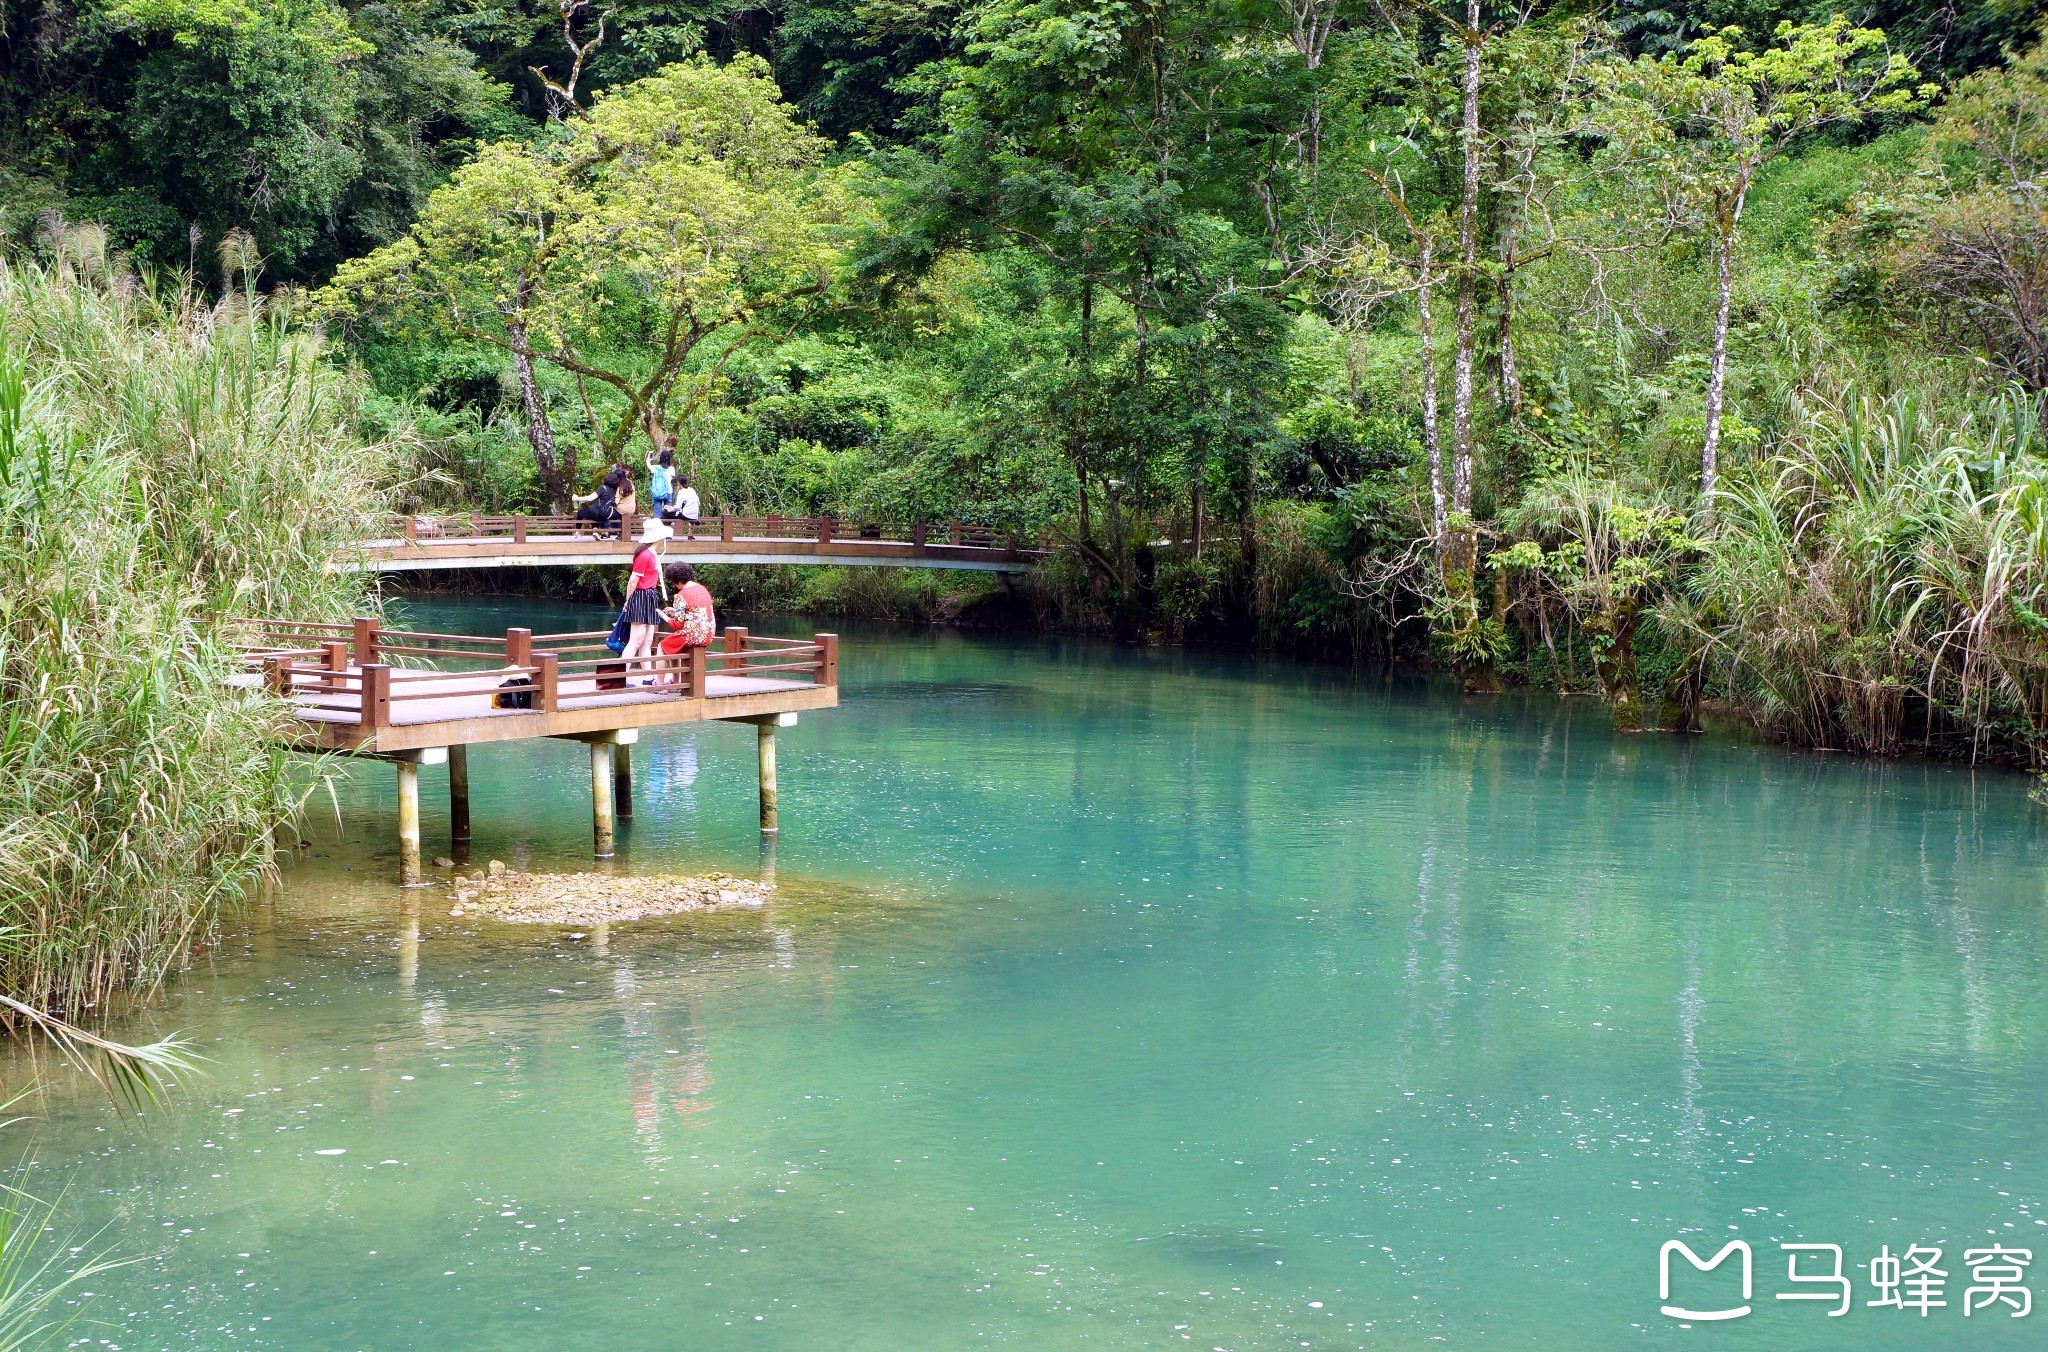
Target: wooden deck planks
466 715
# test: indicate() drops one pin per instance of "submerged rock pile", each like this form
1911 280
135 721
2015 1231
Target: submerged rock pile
500 893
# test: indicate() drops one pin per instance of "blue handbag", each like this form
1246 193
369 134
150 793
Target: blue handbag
617 642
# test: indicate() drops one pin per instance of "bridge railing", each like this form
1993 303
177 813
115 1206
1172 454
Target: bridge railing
735 653
424 530
366 674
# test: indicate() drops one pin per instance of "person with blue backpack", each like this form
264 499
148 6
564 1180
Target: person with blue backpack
661 481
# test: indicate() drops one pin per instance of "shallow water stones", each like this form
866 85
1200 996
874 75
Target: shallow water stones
592 898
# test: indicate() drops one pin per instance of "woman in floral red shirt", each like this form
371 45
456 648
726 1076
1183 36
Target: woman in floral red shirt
691 621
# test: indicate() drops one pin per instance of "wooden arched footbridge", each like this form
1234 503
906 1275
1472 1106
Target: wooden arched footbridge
476 540
416 698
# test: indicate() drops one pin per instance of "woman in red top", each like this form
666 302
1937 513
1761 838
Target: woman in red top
643 595
691 622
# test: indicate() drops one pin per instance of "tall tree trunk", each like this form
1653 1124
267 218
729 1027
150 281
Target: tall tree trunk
1510 379
1432 436
1468 292
1081 444
555 477
1717 371
1309 26
1507 459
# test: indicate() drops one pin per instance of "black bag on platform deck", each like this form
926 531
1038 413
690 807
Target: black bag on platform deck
515 693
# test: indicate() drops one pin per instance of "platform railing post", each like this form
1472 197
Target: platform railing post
547 683
458 794
918 531
277 675
699 660
725 527
376 696
408 824
365 645
601 798
411 531
519 530
625 528
336 653
518 647
735 650
765 743
828 659
824 530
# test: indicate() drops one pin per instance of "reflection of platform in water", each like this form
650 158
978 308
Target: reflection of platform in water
349 694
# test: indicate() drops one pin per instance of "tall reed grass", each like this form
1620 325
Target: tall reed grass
163 461
1885 585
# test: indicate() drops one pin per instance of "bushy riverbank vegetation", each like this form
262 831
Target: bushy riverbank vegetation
1678 353
165 459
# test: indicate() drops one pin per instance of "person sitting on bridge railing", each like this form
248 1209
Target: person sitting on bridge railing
687 505
600 508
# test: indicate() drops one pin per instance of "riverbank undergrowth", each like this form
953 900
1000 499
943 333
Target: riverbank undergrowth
163 461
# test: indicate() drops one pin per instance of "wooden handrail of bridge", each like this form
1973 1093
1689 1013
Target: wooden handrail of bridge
359 676
476 539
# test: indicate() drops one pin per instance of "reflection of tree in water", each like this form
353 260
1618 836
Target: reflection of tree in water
1692 1113
1435 921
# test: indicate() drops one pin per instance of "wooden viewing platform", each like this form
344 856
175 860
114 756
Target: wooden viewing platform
416 698
477 540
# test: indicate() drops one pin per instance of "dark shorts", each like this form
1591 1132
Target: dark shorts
643 607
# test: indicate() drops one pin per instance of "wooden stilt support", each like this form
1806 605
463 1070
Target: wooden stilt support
622 781
458 794
408 824
601 790
408 764
766 730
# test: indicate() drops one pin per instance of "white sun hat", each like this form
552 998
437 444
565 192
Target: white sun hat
653 529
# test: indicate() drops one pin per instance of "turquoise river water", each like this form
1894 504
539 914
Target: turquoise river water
1111 998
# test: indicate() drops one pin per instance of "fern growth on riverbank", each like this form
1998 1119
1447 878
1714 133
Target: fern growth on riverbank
162 461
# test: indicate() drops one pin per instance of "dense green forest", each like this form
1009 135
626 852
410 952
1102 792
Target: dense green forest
1686 353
